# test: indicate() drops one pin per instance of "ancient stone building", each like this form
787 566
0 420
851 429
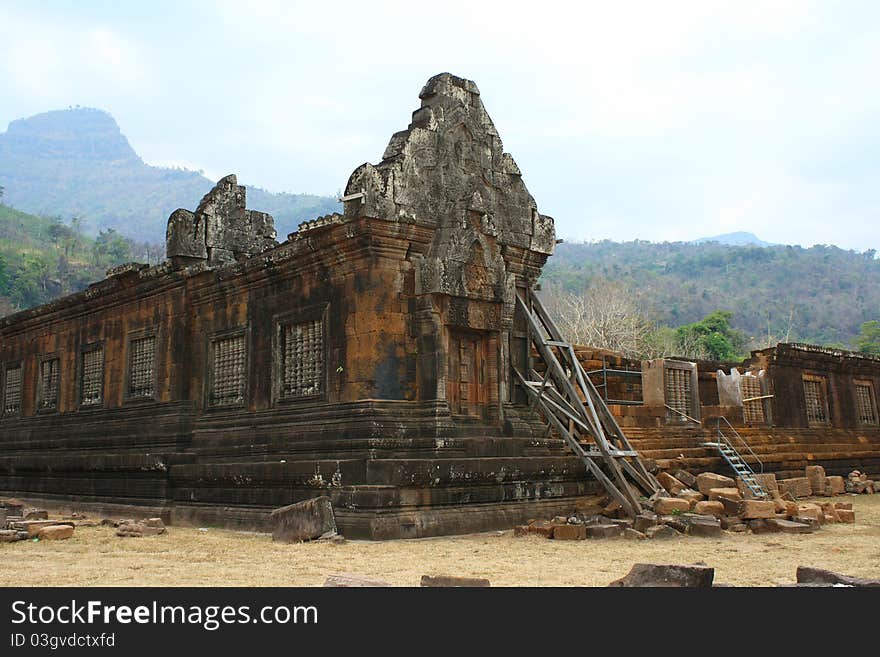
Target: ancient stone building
369 357
792 404
365 357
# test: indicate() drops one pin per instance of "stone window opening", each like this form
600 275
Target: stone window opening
816 398
228 372
12 390
753 409
866 404
49 384
678 393
301 355
141 367
92 377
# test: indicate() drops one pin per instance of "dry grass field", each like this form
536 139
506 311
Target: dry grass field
95 556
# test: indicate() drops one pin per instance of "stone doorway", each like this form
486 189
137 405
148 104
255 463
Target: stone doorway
468 380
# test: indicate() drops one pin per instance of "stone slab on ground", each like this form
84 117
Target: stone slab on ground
346 580
303 521
789 526
706 528
55 532
33 527
453 581
810 575
569 532
667 575
603 531
633 535
752 509
661 532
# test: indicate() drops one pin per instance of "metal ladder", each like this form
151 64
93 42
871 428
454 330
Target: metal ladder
735 460
572 406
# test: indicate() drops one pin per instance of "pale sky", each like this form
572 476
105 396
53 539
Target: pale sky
630 120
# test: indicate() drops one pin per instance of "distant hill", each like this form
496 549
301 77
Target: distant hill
824 292
739 238
78 162
41 259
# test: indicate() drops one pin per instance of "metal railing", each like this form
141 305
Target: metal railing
724 437
684 415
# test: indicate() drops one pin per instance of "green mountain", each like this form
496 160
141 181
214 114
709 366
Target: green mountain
77 162
822 294
41 259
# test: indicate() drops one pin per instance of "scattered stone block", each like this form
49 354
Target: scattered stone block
837 485
11 535
752 509
808 520
846 515
569 532
132 529
728 521
541 528
303 521
818 480
729 493
55 532
706 481
691 496
353 581
843 505
33 527
809 575
789 526
603 531
796 487
830 513
35 514
451 580
651 574
644 520
672 485
710 508
666 505
767 481
762 526
732 507
633 535
706 528
810 510
686 478
661 532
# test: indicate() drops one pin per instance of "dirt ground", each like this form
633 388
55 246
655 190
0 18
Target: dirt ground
95 556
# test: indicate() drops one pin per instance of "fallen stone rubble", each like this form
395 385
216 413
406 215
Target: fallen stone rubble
709 504
700 575
19 523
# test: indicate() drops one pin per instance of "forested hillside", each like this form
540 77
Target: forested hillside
822 294
78 163
42 258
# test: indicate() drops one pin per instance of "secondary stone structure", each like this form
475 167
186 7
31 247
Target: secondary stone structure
365 358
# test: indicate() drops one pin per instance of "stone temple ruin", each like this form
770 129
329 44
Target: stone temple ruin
391 358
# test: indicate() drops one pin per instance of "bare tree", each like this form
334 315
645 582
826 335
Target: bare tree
605 315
